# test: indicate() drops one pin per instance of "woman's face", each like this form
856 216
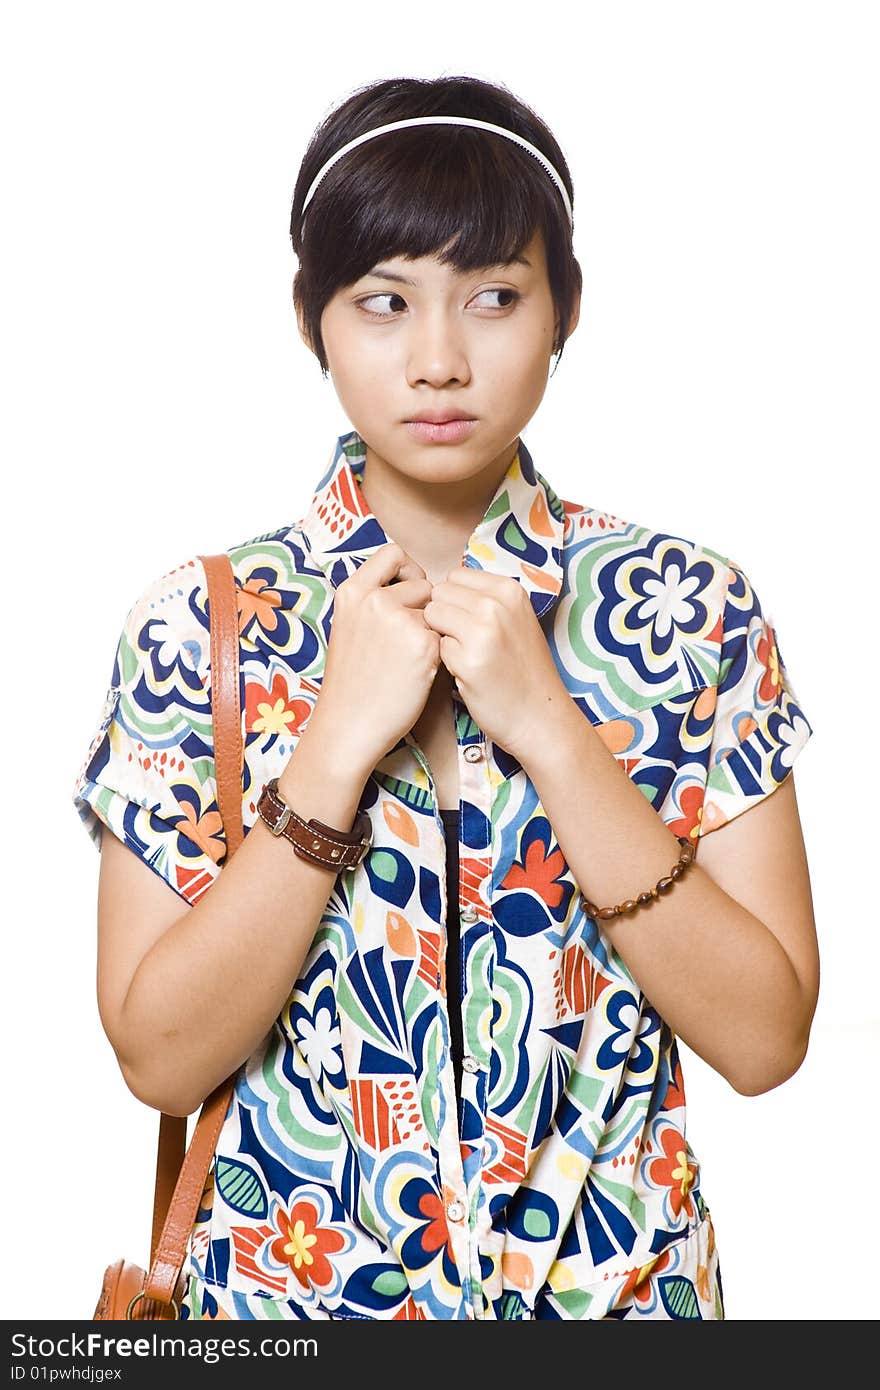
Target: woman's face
414 339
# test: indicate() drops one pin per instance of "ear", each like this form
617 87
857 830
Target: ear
575 313
572 322
300 320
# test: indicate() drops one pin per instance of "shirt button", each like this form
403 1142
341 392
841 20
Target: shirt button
473 752
469 1063
468 914
455 1211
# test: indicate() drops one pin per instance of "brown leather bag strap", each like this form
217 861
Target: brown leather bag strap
225 696
169 1159
181 1174
167 1260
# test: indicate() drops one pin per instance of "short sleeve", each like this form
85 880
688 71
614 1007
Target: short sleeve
148 773
759 727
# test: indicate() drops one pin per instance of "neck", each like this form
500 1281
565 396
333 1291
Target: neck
433 521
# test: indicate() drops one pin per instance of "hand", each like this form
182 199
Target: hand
382 657
493 645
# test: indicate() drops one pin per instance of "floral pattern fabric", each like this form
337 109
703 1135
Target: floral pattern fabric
347 1182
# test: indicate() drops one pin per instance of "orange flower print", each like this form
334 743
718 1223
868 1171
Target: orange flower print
202 829
768 655
272 711
540 873
429 1240
257 600
304 1245
672 1170
436 1232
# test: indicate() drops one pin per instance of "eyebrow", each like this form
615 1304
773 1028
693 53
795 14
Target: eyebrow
378 273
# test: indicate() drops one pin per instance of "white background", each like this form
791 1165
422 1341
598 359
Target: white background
722 385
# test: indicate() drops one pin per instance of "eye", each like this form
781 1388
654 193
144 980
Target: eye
378 313
511 297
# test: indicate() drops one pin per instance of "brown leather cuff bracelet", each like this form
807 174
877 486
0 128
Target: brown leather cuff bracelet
313 840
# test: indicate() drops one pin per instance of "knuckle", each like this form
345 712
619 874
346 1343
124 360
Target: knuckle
375 600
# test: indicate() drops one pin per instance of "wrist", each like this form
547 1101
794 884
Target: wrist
338 743
340 740
547 725
323 778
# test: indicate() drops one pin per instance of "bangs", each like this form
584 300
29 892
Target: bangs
470 198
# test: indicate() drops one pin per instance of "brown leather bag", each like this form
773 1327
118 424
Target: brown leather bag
128 1291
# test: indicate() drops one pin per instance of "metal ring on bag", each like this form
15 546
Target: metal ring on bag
142 1293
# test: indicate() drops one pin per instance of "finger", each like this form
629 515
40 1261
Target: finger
448 618
386 563
410 593
458 594
467 580
410 569
451 653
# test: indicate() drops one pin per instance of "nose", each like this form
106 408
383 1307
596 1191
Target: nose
437 355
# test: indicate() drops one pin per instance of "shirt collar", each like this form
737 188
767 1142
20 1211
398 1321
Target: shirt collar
521 533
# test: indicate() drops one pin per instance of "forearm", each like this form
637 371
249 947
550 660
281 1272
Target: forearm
209 990
717 974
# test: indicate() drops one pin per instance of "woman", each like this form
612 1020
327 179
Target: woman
455 1098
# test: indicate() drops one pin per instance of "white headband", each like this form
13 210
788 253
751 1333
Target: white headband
442 120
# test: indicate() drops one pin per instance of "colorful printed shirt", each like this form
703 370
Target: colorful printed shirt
347 1181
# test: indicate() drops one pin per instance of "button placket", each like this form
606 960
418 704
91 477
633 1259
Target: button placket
475 875
449 1156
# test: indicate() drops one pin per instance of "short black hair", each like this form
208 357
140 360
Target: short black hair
415 191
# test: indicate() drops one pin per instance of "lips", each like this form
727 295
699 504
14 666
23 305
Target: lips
428 419
451 430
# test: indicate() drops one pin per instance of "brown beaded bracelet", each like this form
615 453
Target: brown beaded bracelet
663 885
